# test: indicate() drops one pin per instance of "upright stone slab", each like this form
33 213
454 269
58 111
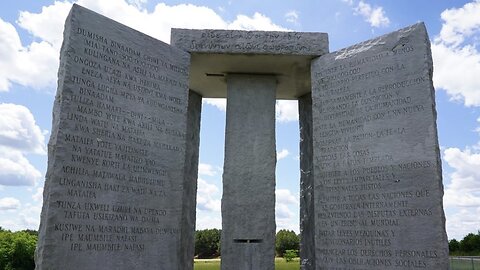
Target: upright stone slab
248 202
190 181
307 217
377 169
263 57
118 172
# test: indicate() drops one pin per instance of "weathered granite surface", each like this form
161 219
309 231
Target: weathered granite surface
250 42
377 169
307 212
215 53
248 202
114 196
187 248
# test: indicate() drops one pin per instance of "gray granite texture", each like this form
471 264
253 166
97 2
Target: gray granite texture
307 213
117 166
248 202
250 42
187 249
377 169
216 53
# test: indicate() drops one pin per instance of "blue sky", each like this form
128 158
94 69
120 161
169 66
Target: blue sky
30 40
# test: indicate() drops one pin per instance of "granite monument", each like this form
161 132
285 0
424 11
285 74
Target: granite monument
120 189
376 163
123 152
251 69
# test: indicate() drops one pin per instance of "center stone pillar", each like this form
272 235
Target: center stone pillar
248 203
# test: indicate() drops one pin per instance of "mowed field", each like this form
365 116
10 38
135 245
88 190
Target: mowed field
280 264
464 264
214 264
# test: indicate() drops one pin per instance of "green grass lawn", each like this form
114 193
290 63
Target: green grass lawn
456 264
280 264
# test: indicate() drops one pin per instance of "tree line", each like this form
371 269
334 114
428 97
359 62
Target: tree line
468 246
17 248
207 243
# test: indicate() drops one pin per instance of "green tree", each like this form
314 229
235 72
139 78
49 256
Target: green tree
470 244
32 232
453 246
17 250
290 254
207 243
286 240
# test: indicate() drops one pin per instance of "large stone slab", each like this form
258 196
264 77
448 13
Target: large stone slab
250 42
307 201
190 180
215 53
377 169
248 202
119 168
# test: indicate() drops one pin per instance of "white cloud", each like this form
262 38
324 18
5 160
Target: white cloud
462 195
282 154
30 216
208 221
286 110
48 24
460 23
257 22
205 196
456 59
138 3
375 16
38 195
23 217
461 82
284 216
15 169
19 134
206 169
19 131
464 189
292 17
219 103
35 65
206 188
285 196
9 203
456 68
462 222
282 212
163 17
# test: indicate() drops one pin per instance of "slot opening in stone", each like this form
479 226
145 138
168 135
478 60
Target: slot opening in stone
247 240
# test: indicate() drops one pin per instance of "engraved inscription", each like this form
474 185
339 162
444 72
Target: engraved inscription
372 161
122 123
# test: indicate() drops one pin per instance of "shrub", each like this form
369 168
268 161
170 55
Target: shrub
207 243
286 240
290 254
17 250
